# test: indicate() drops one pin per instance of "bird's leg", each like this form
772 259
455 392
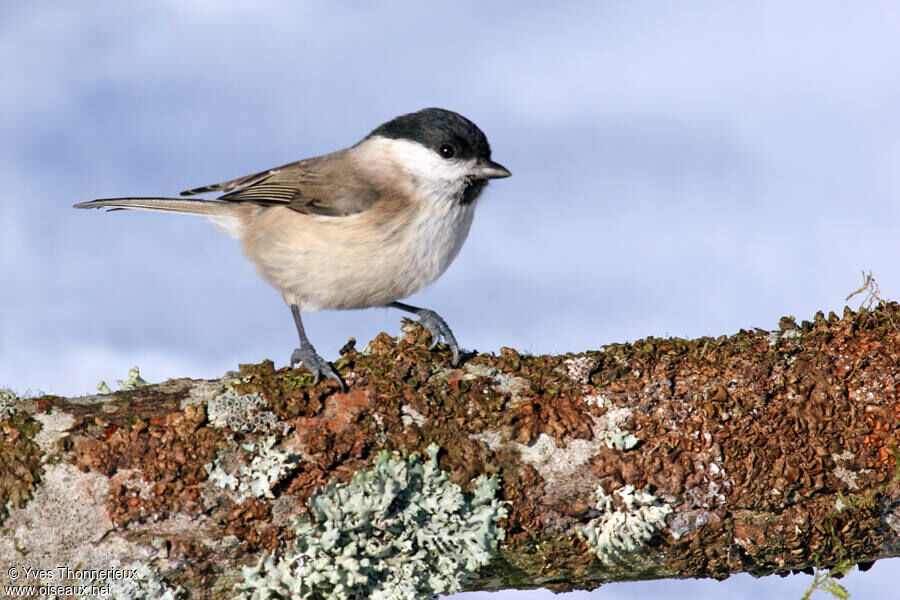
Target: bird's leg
435 325
307 355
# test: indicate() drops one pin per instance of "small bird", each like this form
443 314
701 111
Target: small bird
361 227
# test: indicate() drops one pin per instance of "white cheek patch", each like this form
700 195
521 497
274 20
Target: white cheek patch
433 175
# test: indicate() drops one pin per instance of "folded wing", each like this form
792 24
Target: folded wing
316 186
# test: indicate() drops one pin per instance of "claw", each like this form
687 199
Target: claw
435 325
315 364
438 329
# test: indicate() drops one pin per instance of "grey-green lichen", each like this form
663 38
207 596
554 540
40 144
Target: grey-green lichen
268 466
244 412
141 582
401 530
623 527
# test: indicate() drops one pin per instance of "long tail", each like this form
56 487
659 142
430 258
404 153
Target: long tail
176 205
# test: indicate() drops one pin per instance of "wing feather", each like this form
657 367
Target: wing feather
316 186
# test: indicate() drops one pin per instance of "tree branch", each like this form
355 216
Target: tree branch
761 452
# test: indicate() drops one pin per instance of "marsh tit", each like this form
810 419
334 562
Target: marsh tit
360 227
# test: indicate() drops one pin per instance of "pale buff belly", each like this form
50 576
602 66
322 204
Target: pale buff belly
346 262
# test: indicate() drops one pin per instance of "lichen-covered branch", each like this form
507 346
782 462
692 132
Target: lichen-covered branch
760 452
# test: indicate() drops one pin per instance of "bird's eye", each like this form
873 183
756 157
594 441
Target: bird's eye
447 151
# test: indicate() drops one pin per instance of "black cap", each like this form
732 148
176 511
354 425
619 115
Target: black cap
433 127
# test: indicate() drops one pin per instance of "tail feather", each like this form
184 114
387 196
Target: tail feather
176 205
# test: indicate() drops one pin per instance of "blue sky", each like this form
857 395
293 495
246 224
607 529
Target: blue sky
680 170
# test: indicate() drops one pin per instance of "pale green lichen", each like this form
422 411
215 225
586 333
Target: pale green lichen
623 528
244 412
140 583
399 531
268 466
133 382
615 416
8 400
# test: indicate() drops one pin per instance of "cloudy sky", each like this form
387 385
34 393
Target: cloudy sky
679 170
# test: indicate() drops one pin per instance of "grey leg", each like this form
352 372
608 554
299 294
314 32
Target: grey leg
307 355
435 325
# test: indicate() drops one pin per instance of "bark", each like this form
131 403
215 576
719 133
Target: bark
761 452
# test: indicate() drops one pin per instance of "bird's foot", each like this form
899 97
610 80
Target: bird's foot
438 329
315 364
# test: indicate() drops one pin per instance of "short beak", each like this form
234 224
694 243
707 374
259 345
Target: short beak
488 169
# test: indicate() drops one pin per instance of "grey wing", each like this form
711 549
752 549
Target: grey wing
316 186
